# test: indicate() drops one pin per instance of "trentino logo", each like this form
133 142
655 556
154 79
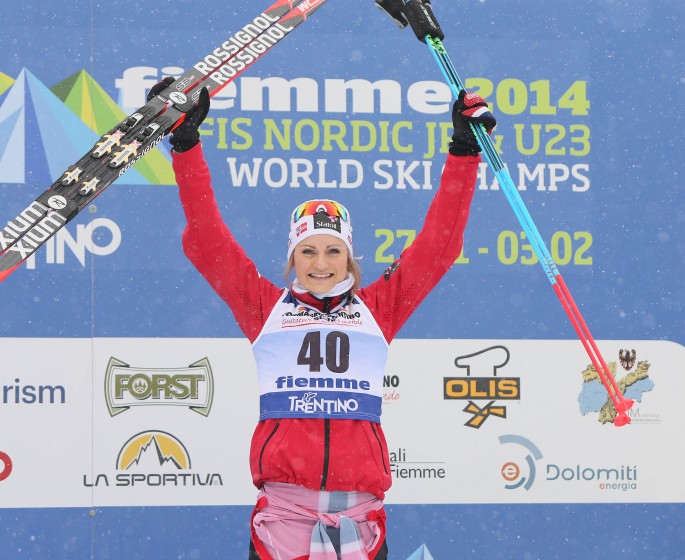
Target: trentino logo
484 386
191 387
43 131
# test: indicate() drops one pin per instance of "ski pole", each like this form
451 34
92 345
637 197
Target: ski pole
422 20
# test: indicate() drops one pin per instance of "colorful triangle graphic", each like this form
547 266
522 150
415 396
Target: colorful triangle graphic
421 553
5 83
40 136
89 101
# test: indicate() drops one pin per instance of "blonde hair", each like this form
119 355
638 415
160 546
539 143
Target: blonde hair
352 267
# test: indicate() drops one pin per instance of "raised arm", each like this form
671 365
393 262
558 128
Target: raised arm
393 297
207 241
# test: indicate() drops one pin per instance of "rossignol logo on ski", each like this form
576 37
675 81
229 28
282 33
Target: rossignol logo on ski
178 97
224 64
57 202
230 47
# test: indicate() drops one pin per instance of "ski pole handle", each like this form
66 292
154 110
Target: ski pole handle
416 13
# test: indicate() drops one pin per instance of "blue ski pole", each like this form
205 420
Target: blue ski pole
419 15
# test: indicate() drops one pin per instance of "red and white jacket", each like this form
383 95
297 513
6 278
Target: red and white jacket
322 454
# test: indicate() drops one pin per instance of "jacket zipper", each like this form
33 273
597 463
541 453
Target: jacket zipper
326 451
378 439
261 453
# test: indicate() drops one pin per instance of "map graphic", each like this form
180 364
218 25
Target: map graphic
593 397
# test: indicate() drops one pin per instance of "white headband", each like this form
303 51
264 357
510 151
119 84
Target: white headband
320 223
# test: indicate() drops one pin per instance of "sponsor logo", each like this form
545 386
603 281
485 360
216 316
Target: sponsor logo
21 223
34 237
490 388
153 458
521 472
622 477
634 383
308 403
236 43
221 66
57 202
290 382
305 316
403 466
191 387
178 97
324 221
5 466
21 393
391 388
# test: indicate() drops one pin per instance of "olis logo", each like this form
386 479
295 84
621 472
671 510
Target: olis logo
483 384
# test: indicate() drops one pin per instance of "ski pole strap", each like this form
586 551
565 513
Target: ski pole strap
416 13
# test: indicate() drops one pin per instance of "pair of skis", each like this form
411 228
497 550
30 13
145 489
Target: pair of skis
419 14
120 148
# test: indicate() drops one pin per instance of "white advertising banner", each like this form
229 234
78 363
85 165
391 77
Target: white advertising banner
114 422
482 421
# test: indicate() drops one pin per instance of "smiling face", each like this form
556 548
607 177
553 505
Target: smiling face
320 262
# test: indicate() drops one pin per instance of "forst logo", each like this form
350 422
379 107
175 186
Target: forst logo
191 387
482 388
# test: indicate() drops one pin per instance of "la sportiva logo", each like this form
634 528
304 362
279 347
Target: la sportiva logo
490 388
162 447
153 458
191 386
5 466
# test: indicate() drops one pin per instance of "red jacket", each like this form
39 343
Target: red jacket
346 455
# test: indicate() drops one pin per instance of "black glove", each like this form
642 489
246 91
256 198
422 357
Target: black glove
159 87
395 9
417 13
187 134
469 108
